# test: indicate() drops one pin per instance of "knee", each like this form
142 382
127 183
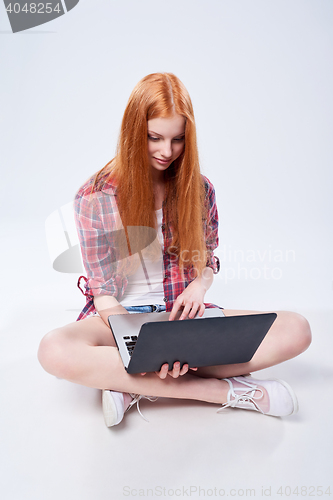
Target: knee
300 333
52 354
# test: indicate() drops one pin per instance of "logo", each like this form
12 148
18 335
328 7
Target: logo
64 249
24 15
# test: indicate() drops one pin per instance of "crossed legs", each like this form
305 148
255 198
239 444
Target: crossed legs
84 352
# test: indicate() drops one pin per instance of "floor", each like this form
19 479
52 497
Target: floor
54 443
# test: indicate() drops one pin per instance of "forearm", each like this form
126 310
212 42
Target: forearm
107 305
206 278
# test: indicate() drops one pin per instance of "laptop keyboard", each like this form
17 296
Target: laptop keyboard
130 342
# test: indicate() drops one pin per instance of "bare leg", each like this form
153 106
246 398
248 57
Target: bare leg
84 352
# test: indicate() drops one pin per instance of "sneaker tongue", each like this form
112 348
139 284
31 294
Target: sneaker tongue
252 392
240 388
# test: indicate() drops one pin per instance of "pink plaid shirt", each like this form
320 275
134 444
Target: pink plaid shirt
100 233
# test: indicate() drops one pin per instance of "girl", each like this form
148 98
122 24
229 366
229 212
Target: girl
154 181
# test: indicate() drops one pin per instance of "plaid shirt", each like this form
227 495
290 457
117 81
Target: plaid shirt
102 240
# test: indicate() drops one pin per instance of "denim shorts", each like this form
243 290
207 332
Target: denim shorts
138 309
145 309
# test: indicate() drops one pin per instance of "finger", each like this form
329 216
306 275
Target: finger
174 310
143 373
163 371
184 369
187 309
175 371
194 369
194 310
202 309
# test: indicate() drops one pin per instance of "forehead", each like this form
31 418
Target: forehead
171 126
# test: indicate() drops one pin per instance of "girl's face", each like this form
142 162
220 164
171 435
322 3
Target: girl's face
166 141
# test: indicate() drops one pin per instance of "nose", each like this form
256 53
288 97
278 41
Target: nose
166 149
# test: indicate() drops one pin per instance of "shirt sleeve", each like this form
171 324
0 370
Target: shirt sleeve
211 227
98 245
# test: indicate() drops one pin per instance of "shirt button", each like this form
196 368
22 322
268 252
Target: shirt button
163 227
166 275
165 299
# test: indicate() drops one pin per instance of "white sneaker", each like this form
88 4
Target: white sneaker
114 406
282 399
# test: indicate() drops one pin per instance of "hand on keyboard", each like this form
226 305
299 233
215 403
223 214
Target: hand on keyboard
190 301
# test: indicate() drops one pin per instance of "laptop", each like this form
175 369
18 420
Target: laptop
146 341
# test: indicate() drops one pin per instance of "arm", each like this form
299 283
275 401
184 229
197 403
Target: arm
106 305
96 218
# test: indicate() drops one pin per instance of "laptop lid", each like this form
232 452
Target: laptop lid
210 341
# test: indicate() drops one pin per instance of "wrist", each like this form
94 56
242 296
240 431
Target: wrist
206 278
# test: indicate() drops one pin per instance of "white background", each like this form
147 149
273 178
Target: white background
260 76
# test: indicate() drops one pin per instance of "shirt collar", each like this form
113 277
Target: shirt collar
109 187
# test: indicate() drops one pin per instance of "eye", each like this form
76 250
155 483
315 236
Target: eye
179 139
150 137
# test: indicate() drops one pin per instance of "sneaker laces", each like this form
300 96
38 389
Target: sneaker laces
246 396
136 399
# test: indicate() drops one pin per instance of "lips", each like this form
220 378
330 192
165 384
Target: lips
162 162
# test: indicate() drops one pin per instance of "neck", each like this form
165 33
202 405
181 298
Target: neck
157 177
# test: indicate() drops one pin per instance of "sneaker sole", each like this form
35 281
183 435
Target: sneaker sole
109 409
292 394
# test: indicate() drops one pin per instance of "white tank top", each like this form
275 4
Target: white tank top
145 288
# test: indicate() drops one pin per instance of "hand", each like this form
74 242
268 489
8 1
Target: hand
191 300
175 372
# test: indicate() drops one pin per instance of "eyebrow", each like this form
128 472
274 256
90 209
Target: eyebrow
152 132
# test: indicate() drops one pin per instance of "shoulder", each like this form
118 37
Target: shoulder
89 190
91 203
85 189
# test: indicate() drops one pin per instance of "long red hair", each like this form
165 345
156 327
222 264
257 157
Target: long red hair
159 95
